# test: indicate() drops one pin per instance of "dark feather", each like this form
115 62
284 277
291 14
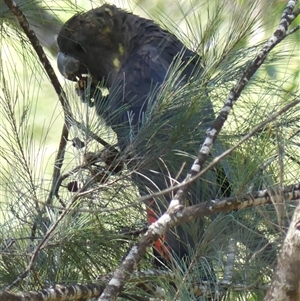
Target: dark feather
133 56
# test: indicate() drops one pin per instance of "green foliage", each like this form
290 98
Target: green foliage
93 236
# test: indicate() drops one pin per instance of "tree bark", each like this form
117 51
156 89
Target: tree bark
286 281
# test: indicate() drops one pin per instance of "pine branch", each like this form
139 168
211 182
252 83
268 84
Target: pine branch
84 292
286 20
217 159
57 293
175 210
259 198
81 292
262 197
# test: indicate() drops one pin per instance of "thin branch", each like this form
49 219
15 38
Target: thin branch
217 159
81 291
74 292
90 133
296 13
212 133
57 293
293 30
259 198
56 85
40 246
214 162
41 54
155 230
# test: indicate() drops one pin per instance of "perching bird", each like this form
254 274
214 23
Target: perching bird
158 114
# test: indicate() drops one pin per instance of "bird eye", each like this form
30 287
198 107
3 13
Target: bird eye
79 48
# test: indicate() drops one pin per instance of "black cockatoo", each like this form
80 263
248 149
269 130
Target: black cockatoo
141 64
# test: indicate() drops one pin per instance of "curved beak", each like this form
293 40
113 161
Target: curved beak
68 66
